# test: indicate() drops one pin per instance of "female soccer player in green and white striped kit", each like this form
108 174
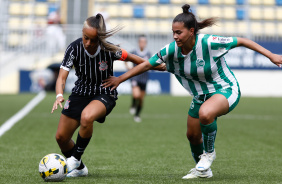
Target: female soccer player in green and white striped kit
197 61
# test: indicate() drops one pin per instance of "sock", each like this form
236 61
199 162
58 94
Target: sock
133 103
138 109
196 150
69 153
81 144
209 134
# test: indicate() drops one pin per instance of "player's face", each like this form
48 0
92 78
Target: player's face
90 39
181 34
142 43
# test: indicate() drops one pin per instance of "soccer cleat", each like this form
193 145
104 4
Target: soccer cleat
78 173
137 119
132 110
72 163
193 173
206 160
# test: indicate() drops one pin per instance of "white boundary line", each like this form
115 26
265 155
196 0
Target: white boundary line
22 113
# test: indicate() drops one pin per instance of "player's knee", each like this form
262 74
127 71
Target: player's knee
61 139
205 116
194 138
86 120
136 96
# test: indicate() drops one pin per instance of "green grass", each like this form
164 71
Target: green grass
10 104
248 143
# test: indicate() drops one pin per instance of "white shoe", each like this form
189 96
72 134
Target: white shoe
206 161
78 173
132 110
72 163
193 173
137 119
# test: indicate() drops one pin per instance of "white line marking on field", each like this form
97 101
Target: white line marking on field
22 113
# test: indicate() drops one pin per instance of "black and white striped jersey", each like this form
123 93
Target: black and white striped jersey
143 77
91 70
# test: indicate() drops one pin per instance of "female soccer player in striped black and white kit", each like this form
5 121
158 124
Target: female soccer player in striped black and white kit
197 60
92 58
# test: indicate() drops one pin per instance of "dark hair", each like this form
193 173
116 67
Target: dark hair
142 36
190 21
98 22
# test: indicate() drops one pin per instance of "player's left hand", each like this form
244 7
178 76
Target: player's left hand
276 59
111 82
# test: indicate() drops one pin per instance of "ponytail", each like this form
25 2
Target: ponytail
190 21
98 22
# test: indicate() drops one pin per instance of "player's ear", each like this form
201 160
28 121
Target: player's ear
192 30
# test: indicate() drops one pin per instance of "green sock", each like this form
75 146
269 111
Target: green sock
209 134
196 150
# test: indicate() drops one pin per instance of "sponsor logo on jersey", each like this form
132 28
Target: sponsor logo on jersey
67 104
200 63
224 40
214 37
103 65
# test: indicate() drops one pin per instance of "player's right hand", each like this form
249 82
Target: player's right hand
57 102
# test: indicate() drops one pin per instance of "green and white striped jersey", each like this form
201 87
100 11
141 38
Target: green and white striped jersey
203 70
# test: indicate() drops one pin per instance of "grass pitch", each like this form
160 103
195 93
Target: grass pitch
248 143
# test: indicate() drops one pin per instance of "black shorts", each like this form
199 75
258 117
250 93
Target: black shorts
141 85
76 103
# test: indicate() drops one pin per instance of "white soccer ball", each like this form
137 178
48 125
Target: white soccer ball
53 167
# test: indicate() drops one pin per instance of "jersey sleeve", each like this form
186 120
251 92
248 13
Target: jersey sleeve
159 58
69 58
221 45
121 55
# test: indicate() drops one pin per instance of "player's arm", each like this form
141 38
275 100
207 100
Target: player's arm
127 65
274 58
115 81
60 86
138 60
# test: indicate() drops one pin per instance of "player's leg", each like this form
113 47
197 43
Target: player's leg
97 109
66 128
142 89
141 102
135 94
65 131
214 107
92 112
194 136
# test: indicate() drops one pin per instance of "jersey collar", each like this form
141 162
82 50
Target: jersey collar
92 56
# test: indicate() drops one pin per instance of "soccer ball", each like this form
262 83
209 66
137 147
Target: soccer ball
53 167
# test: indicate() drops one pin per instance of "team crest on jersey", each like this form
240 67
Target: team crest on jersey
192 105
103 65
67 104
200 63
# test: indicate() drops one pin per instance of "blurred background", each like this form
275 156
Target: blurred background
35 33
